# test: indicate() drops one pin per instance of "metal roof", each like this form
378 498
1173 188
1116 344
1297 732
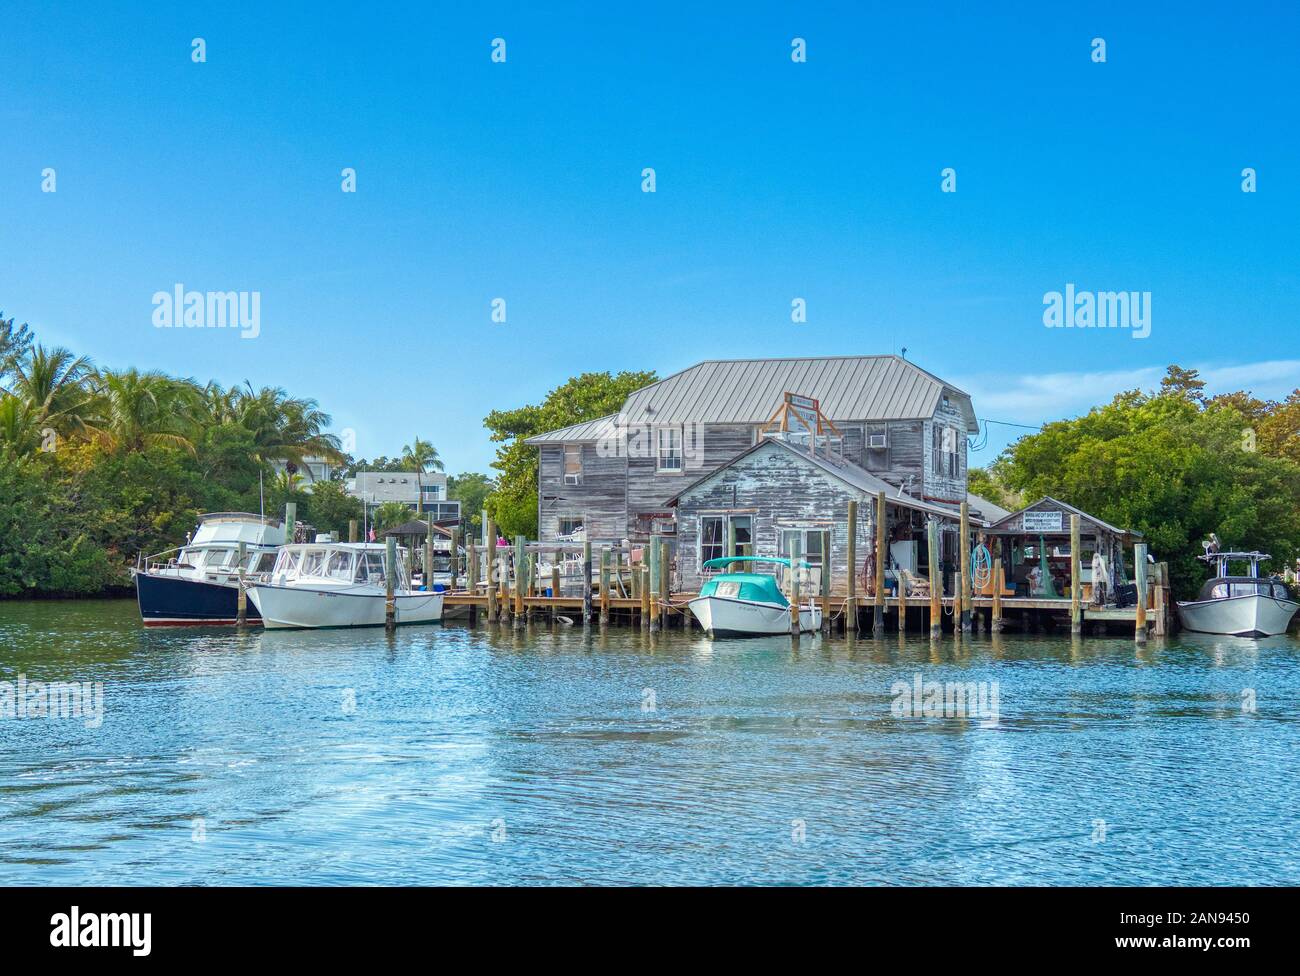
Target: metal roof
750 390
588 430
989 512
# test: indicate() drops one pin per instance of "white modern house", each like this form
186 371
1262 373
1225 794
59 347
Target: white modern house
312 470
418 489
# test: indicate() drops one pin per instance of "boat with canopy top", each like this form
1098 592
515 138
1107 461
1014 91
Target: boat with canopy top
749 604
340 584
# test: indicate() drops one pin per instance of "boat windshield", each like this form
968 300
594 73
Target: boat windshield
339 565
370 567
218 558
287 563
1224 589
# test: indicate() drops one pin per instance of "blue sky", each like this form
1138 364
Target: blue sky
775 180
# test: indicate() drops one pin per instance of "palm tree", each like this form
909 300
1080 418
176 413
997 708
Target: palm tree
133 410
423 455
15 340
19 429
53 383
286 428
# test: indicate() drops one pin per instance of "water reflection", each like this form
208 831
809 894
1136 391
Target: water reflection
504 755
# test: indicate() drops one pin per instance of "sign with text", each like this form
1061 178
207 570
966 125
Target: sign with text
806 409
1043 521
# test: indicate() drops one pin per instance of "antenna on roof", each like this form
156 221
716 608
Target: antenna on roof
905 352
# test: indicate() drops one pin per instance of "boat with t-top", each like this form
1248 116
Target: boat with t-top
1239 606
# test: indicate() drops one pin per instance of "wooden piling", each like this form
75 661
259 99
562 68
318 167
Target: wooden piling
665 581
731 546
936 580
1140 578
882 563
656 557
999 580
241 599
1076 579
586 583
390 584
902 604
643 570
532 587
352 530
796 554
826 582
290 522
604 587
521 556
963 540
492 571
471 580
851 607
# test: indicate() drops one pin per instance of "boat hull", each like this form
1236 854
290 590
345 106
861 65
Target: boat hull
285 607
727 617
1238 616
176 601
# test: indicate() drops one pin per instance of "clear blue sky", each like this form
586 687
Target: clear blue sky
776 180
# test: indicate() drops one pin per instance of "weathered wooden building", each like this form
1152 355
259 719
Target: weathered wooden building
779 493
613 478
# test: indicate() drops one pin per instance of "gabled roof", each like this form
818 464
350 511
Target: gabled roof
989 512
582 433
749 390
1069 508
845 471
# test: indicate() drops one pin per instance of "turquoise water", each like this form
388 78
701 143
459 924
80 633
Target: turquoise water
458 756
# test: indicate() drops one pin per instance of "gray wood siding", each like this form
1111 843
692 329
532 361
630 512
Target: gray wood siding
599 500
943 485
648 490
778 490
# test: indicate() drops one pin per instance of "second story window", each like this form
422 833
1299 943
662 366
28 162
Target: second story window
670 448
573 464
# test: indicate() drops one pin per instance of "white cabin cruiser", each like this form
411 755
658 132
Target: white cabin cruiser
1239 606
198 583
748 604
339 584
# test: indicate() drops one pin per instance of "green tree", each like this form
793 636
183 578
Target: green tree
513 505
329 507
15 342
471 489
1171 466
390 514
421 456
131 410
53 383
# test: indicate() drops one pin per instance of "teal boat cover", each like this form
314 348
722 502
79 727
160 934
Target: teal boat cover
757 587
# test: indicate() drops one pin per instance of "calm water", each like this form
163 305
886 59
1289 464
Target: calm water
490 757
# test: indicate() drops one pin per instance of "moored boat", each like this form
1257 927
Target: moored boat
1239 606
339 584
748 604
198 583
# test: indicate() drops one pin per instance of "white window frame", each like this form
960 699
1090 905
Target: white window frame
675 433
742 548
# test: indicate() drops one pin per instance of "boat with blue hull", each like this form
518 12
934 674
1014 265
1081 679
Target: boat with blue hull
198 583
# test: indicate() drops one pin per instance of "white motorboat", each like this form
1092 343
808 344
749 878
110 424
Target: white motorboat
198 583
1239 606
748 604
339 584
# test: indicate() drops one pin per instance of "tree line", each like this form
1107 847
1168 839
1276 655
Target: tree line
98 465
